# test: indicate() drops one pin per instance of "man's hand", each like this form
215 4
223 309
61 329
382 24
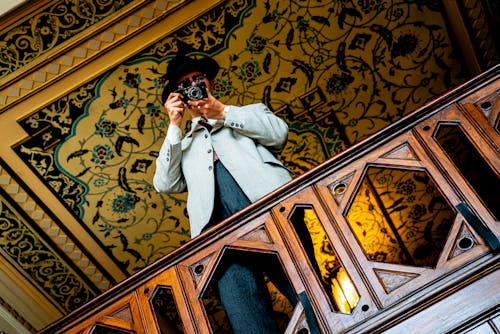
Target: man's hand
175 108
209 107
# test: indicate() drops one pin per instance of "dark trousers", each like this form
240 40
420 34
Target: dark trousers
241 285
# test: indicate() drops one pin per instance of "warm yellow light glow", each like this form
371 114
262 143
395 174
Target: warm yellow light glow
343 292
348 288
339 298
396 213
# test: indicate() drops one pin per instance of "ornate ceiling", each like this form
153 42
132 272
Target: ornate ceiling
80 83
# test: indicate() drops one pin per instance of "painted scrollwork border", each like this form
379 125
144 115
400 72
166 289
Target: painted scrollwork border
81 48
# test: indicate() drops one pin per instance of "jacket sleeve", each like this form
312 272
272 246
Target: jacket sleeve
258 122
168 176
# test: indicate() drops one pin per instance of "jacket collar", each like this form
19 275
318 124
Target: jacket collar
197 125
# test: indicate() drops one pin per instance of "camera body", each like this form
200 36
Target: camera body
193 93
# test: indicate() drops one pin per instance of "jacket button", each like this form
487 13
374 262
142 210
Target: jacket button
209 150
206 135
210 168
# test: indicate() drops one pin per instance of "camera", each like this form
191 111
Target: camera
193 93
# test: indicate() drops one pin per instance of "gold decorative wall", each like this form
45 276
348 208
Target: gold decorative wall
80 94
96 146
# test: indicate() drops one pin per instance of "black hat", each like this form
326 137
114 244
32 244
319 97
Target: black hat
181 65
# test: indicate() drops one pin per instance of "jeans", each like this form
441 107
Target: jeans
240 282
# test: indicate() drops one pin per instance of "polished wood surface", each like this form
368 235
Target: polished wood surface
459 292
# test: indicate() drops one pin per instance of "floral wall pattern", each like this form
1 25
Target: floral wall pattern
400 216
50 27
336 71
21 244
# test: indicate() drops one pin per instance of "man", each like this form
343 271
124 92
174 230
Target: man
225 162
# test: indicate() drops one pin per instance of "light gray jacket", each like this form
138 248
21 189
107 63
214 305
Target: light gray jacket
242 142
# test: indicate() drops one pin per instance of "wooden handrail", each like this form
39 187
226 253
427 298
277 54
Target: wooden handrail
265 204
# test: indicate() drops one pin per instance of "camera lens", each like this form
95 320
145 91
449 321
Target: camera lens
194 93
